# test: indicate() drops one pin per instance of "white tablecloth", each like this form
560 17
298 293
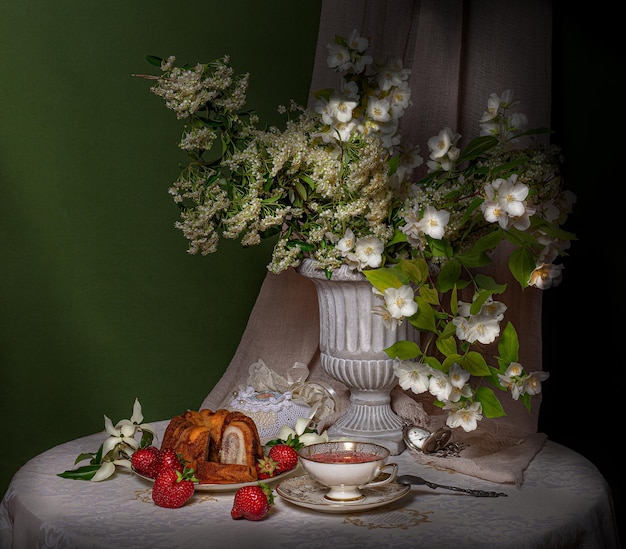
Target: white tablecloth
563 502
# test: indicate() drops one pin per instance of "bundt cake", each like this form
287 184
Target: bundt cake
222 446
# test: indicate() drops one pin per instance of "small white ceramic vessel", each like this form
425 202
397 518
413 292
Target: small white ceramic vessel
346 466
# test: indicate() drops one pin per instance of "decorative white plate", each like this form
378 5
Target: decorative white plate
229 487
306 492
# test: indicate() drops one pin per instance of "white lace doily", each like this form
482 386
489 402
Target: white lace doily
270 410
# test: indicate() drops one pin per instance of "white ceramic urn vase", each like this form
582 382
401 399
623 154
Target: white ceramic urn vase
352 343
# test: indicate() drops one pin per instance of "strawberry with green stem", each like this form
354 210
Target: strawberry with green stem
173 488
266 468
284 455
252 502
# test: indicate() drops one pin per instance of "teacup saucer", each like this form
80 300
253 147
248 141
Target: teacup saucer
306 492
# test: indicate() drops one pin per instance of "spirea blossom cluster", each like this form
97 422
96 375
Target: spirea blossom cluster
338 184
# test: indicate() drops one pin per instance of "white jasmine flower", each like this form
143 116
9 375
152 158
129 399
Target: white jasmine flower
477 328
458 376
532 384
440 386
464 415
493 107
342 130
369 252
414 376
400 302
357 42
521 222
444 152
491 308
514 369
346 244
400 99
379 109
516 122
338 57
302 423
390 322
116 450
434 222
457 393
349 89
511 195
513 379
546 275
341 107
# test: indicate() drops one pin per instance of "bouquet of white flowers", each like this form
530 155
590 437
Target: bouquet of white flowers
337 185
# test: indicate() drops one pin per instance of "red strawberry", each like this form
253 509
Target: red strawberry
168 459
285 455
252 502
144 461
266 467
173 488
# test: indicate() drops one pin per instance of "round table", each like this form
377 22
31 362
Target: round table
563 502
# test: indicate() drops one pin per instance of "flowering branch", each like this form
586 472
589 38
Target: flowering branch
115 450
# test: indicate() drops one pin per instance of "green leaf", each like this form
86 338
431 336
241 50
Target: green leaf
393 163
453 358
449 330
86 472
415 269
398 237
434 363
488 283
428 295
472 260
304 246
479 301
324 93
300 189
424 319
448 275
440 248
491 405
154 60
404 350
308 181
488 242
522 264
83 456
475 364
383 278
477 147
446 345
146 439
469 210
454 302
508 345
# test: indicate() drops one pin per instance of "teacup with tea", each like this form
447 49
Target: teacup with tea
346 467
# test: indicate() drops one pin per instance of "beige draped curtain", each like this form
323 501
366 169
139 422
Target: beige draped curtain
459 53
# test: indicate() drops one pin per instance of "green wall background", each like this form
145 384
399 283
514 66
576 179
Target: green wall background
99 301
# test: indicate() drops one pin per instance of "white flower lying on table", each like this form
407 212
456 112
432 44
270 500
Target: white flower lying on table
302 434
115 450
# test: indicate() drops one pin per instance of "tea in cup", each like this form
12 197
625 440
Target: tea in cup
346 467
